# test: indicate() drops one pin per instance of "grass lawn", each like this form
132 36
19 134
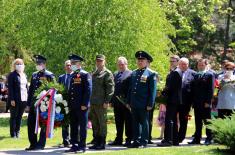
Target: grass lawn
8 143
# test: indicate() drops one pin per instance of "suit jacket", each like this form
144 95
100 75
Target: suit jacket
187 79
14 90
173 88
80 89
65 80
142 88
202 89
36 81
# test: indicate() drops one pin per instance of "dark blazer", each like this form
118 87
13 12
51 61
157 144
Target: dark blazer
36 81
80 89
187 86
14 91
65 80
202 89
173 91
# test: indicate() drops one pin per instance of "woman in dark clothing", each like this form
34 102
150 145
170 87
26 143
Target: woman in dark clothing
18 94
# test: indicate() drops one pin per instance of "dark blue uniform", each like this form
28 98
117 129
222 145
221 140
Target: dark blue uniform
65 80
79 95
36 79
202 88
142 93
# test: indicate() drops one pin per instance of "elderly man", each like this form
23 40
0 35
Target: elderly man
184 108
65 80
102 92
121 113
173 93
203 88
79 93
141 98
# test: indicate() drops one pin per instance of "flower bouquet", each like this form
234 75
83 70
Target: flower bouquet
51 107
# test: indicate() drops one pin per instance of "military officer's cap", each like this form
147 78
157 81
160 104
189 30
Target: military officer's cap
74 57
143 55
39 59
100 57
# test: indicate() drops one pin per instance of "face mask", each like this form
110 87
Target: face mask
19 68
74 67
39 67
229 73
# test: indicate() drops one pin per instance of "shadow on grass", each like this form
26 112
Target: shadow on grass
3 137
220 151
4 122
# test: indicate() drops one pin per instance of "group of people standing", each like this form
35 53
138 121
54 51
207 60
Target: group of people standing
132 94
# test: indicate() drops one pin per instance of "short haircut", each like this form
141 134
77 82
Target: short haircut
202 60
176 57
185 60
66 62
122 59
229 64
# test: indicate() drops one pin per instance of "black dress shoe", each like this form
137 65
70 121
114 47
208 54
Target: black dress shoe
164 144
207 142
194 142
115 143
128 143
72 149
30 148
150 142
39 148
134 145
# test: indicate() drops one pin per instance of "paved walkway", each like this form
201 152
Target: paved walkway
5 115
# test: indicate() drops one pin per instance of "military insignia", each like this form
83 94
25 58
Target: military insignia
143 78
43 78
77 80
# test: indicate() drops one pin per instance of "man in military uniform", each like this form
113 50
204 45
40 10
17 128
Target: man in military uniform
36 81
141 98
65 80
202 89
102 92
79 98
121 113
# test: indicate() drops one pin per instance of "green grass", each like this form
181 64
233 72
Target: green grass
8 143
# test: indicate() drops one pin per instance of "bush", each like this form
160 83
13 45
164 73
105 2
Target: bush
224 131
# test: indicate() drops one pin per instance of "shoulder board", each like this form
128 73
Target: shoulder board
83 71
48 72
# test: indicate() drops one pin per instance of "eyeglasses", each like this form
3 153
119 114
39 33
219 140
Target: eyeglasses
229 69
173 61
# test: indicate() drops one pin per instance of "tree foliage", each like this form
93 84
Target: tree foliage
55 28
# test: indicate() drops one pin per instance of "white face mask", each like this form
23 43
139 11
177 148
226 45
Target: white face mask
19 68
39 67
229 73
74 67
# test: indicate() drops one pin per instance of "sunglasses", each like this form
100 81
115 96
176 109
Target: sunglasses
229 69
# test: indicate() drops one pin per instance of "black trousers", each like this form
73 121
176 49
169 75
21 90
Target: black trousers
151 122
183 110
123 118
171 126
222 113
78 124
201 116
31 130
65 135
16 113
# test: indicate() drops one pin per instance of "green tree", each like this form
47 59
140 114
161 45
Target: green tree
56 28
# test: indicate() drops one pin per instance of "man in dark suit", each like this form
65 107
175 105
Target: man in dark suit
121 113
173 93
141 98
65 80
184 108
79 99
202 88
36 81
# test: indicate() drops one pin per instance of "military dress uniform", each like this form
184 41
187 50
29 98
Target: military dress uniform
36 82
79 95
142 93
202 89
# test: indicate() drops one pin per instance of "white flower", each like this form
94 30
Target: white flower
66 110
57 110
58 98
42 103
65 103
46 99
43 93
43 108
